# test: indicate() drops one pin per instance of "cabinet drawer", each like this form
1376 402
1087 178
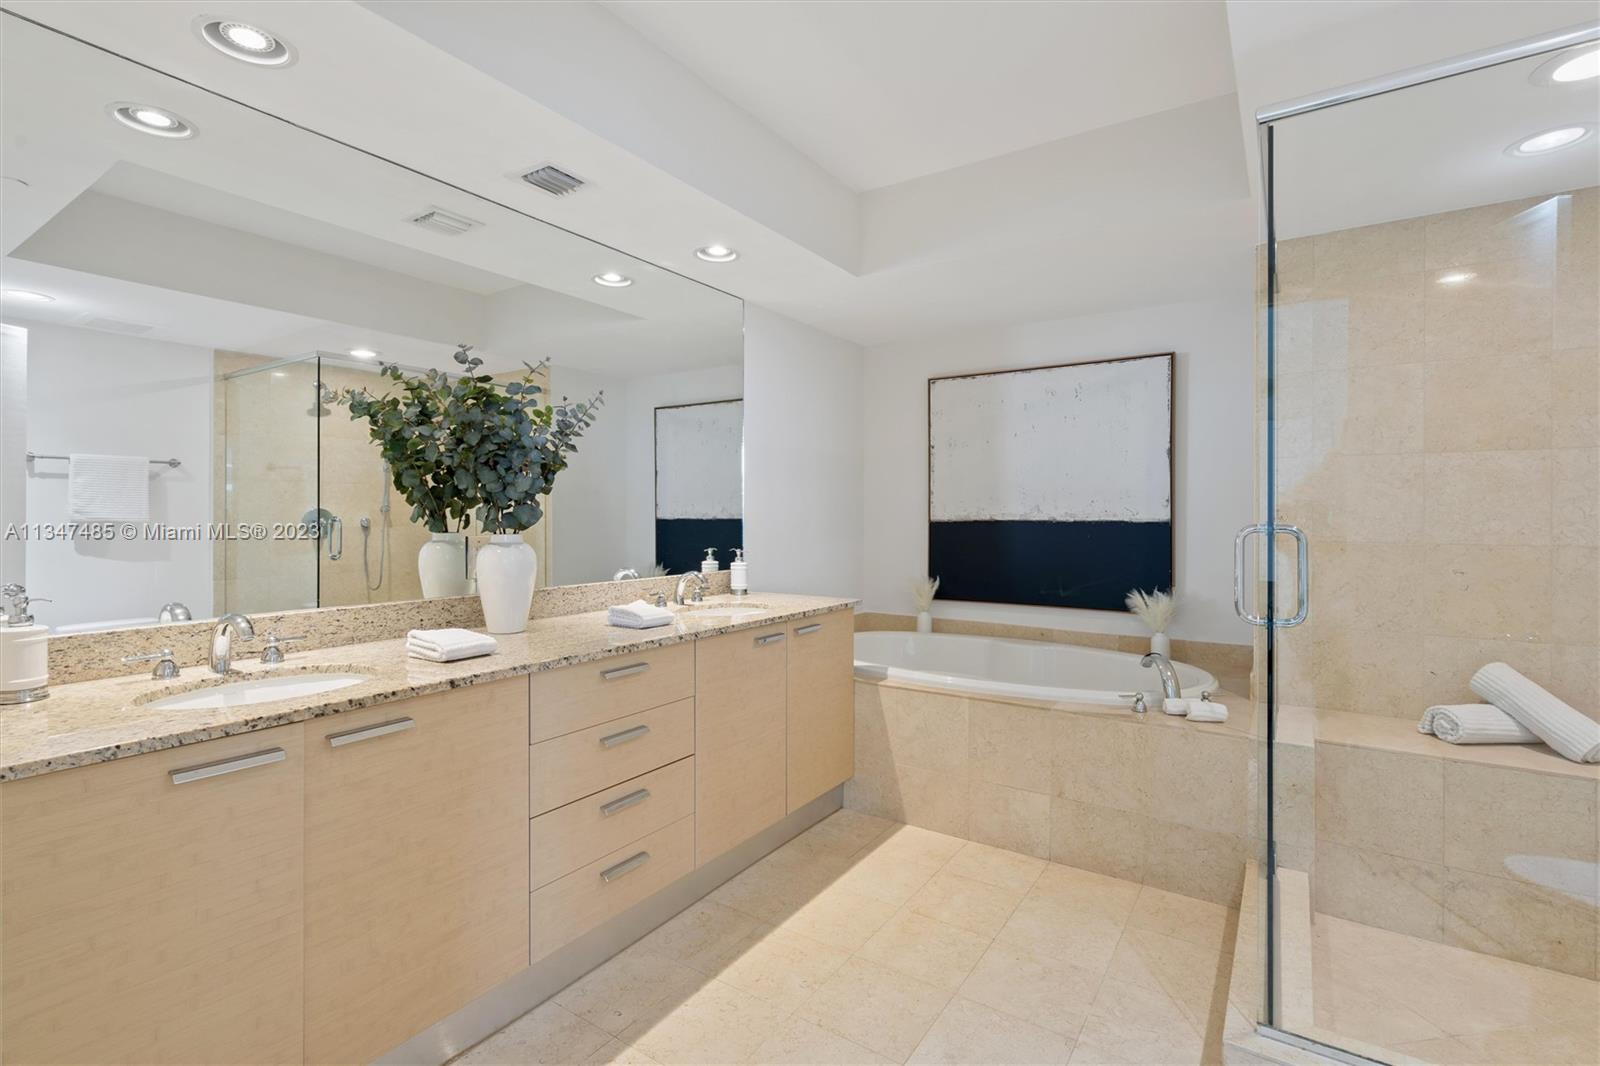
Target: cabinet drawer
566 908
579 764
577 697
573 836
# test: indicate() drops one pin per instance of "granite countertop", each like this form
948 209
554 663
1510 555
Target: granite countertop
96 721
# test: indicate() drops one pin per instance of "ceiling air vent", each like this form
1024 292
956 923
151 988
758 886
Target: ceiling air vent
553 180
441 221
114 325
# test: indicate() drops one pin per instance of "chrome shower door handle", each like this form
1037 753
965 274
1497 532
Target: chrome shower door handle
335 539
1302 577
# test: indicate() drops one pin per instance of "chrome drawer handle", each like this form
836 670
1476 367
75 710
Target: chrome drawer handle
382 729
623 737
622 803
770 638
625 867
806 631
226 766
617 672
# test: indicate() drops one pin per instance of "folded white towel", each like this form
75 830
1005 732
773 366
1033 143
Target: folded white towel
448 645
1207 711
108 488
640 614
1556 722
1177 707
1474 723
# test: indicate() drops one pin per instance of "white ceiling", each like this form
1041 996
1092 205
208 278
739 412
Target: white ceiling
880 93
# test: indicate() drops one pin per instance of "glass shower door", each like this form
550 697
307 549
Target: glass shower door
1428 397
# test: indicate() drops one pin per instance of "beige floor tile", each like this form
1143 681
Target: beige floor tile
705 937
884 877
623 989
926 949
877 1007
972 905
996 866
922 847
617 1053
1193 976
1573 1045
547 1034
783 968
717 1023
849 831
772 889
1196 920
1132 1023
1073 916
1106 1043
1036 988
1444 1051
969 1032
801 1043
1371 1019
840 918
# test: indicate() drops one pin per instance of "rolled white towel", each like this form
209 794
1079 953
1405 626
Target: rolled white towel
448 645
640 614
1474 723
1177 707
1207 711
1555 722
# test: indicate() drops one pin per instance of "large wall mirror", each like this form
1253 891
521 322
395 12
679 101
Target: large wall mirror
201 303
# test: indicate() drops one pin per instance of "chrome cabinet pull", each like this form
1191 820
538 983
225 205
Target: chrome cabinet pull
226 766
622 803
623 737
1302 579
382 729
806 631
770 638
625 867
617 672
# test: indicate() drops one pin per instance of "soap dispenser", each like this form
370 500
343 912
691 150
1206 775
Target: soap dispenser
741 573
24 649
709 564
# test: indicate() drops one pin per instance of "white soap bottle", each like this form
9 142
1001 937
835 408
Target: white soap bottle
24 649
741 573
709 564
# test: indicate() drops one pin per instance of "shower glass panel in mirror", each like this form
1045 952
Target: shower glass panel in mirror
186 319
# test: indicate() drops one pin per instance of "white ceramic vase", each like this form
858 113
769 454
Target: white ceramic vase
442 566
924 622
507 568
1161 644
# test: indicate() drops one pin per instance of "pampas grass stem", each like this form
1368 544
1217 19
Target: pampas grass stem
1154 609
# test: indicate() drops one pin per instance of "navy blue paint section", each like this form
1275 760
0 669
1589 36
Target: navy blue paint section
681 543
1050 564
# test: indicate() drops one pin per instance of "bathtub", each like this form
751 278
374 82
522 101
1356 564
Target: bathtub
1019 669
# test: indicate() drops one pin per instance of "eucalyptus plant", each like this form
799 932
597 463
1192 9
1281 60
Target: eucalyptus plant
468 443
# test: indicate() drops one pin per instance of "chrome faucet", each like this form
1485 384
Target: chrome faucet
700 586
1169 676
222 639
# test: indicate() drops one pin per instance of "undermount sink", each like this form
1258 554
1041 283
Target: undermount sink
725 611
257 690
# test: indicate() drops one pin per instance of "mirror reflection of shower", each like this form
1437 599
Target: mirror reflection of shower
383 536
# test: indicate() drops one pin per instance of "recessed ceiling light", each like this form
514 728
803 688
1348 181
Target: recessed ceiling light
1575 64
612 280
717 253
364 353
240 40
1456 277
1551 140
156 121
27 296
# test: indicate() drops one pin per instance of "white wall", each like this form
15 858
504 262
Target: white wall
1213 409
803 457
90 391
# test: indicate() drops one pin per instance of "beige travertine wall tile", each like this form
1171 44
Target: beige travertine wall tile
1202 780
1576 490
1103 761
1368 321
1376 889
1504 307
1368 410
1492 813
1516 229
1381 801
1575 676
1497 593
1575 398
1499 403
1521 921
1294 797
1101 839
1009 745
1575 612
1010 818
1488 498
1195 862
1369 499
1352 254
1448 664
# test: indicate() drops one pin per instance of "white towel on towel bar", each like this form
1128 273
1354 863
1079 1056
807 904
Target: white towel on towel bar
108 488
1556 722
1474 723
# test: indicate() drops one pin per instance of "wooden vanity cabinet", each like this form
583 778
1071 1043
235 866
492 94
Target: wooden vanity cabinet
741 698
151 907
416 864
822 710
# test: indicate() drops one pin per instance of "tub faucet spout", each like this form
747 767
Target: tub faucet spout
1169 676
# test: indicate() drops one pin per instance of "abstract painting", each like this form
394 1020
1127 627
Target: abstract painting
1052 485
699 483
